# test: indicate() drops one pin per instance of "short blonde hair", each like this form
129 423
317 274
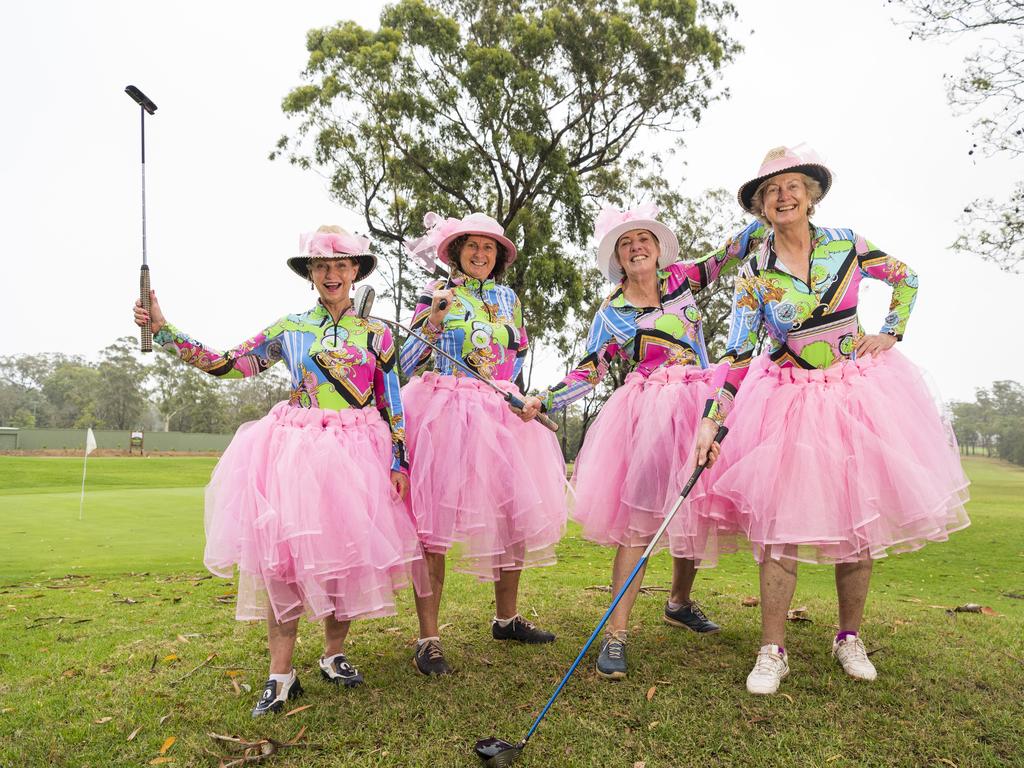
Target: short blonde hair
811 184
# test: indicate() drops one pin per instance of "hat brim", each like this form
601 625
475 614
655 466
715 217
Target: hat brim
367 263
609 265
745 196
510 247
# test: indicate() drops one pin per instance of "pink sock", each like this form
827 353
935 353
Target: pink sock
843 634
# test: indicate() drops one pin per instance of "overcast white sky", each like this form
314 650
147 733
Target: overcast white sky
222 218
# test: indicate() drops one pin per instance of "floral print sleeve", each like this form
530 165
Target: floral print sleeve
811 320
249 358
386 390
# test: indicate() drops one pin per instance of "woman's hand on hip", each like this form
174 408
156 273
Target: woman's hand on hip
531 408
400 482
154 316
706 450
875 343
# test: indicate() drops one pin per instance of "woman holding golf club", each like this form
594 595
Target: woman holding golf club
307 501
837 454
482 480
628 472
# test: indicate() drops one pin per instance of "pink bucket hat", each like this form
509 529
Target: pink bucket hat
441 232
612 223
798 159
331 242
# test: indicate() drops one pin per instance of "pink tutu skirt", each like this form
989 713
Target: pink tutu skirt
838 465
636 458
301 502
481 479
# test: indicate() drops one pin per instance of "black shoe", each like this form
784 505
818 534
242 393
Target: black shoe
522 630
691 617
429 659
275 695
611 661
337 670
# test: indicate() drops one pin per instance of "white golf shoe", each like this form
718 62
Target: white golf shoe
769 669
850 652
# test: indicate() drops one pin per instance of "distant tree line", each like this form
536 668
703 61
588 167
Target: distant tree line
993 423
123 390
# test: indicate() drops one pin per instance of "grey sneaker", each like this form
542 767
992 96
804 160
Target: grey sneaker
429 659
611 661
691 617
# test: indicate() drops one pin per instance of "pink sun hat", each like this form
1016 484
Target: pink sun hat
798 159
331 242
611 224
442 231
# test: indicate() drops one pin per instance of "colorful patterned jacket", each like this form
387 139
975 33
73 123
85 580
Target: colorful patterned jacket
811 319
349 364
652 337
483 328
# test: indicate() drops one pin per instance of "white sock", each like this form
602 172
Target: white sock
285 679
505 622
332 657
422 640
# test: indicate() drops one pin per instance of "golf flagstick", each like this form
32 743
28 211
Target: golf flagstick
497 753
145 105
90 446
362 304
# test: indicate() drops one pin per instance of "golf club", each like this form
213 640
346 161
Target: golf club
362 304
145 105
498 753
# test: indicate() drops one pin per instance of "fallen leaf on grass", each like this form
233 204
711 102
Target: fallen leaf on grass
750 602
102 720
161 760
133 734
298 709
833 758
798 614
650 692
947 761
444 627
5 710
758 719
182 639
165 718
68 673
975 608
168 743
225 599
653 724
639 764
910 600
787 697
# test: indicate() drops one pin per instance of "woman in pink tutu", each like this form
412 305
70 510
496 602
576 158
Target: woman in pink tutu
628 472
483 481
307 501
837 452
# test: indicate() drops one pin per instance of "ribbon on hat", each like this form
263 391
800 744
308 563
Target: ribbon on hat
326 244
423 249
610 217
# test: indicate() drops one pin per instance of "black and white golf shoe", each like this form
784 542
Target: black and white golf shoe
336 669
274 696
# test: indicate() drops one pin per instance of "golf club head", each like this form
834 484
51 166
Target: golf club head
363 302
141 99
497 753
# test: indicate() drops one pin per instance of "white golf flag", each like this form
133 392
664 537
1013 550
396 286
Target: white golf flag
90 446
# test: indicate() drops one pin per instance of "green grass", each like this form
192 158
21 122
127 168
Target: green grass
78 640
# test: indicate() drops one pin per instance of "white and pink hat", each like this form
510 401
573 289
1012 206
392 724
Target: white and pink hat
442 231
798 159
612 223
333 242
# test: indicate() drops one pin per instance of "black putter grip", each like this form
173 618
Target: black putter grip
442 304
146 331
722 432
543 418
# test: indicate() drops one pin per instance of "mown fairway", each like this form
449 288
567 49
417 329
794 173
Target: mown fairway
104 621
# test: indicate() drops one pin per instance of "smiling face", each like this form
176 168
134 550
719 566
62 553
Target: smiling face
786 200
478 256
637 251
333 278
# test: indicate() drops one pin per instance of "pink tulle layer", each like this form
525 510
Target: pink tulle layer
301 502
483 483
838 465
636 457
